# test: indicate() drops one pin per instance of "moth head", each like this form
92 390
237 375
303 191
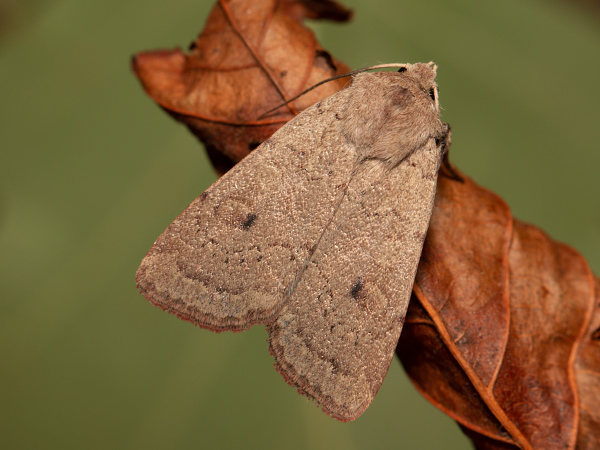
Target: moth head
391 114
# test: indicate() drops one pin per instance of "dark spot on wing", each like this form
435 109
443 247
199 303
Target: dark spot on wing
204 195
355 291
250 218
319 109
335 365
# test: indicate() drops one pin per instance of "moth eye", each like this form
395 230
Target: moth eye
432 94
402 69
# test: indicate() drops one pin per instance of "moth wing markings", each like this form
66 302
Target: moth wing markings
227 260
334 340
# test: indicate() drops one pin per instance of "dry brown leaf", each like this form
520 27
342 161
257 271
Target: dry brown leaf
252 56
498 333
587 377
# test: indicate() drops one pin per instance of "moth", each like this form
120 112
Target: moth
317 234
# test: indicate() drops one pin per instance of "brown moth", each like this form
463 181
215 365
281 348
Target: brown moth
317 235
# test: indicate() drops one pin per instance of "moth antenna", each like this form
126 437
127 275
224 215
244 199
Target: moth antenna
347 74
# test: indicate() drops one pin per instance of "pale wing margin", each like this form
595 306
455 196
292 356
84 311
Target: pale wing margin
336 336
225 263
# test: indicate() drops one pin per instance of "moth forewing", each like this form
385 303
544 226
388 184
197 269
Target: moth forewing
226 262
346 313
316 234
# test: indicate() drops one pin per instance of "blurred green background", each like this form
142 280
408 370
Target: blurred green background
93 171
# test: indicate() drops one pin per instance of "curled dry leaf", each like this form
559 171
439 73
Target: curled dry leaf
500 330
252 56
